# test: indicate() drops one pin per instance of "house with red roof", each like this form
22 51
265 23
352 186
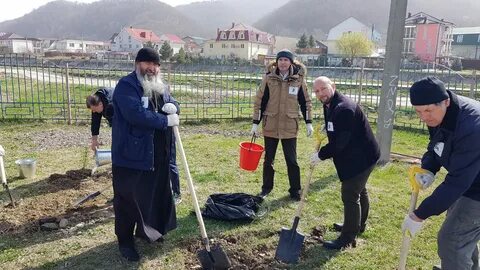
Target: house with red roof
131 40
175 42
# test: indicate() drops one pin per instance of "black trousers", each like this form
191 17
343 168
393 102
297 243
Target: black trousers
290 153
355 203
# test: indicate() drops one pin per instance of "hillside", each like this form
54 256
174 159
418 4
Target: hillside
320 16
99 20
221 14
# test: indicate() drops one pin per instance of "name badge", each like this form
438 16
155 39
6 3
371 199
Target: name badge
145 102
438 148
293 90
329 126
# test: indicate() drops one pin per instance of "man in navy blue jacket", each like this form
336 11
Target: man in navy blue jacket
355 152
454 126
141 149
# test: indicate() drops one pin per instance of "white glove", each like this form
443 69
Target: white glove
314 159
169 108
411 225
254 131
173 120
425 179
309 130
2 151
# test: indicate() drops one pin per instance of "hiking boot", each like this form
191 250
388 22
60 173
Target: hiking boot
340 243
295 196
129 253
339 226
264 193
177 198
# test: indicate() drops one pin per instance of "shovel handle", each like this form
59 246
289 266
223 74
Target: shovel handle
191 188
2 171
304 192
413 203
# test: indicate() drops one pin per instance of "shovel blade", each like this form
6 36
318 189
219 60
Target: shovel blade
289 246
215 259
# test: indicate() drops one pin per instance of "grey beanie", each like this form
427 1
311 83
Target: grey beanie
285 53
428 90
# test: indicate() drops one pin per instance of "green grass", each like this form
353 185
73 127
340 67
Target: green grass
212 152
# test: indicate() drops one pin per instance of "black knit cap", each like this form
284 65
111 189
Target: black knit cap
285 53
428 90
148 54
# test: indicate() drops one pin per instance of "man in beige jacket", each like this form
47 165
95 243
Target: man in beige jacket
282 95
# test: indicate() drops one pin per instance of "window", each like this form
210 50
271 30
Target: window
241 35
231 35
232 46
224 46
130 46
242 46
223 35
211 46
478 39
459 38
71 45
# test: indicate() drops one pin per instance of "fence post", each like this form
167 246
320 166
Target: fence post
361 82
473 85
69 103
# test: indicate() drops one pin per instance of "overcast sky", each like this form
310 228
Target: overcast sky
11 9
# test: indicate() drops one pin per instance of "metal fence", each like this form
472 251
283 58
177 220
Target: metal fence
55 89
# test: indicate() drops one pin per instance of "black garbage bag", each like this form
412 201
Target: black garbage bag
232 206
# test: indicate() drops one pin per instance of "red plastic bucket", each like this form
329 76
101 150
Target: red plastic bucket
250 154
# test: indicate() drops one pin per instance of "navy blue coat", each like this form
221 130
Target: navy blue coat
454 145
351 142
105 95
133 125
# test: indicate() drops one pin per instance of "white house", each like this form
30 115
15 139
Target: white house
466 42
13 43
78 46
131 40
240 40
175 42
350 25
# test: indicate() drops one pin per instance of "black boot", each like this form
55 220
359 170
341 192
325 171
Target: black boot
129 253
339 226
340 243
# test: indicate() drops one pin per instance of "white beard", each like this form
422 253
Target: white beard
151 84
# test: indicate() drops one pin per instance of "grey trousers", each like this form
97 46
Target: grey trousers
459 236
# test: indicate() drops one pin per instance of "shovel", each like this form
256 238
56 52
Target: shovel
291 241
413 203
90 196
4 177
212 257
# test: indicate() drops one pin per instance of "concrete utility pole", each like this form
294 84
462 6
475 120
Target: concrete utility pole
391 70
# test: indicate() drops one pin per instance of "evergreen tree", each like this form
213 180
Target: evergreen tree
181 56
303 42
311 42
166 51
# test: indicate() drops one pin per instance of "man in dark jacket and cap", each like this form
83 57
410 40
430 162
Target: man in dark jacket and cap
140 155
100 103
454 126
355 152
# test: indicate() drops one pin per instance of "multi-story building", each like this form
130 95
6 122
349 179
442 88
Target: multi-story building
131 40
78 46
239 41
13 43
193 45
427 38
466 42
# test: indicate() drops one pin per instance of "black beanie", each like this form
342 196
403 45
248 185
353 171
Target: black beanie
148 54
285 53
426 91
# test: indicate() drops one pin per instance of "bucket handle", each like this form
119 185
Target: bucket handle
252 141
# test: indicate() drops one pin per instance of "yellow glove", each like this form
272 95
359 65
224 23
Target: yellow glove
320 134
